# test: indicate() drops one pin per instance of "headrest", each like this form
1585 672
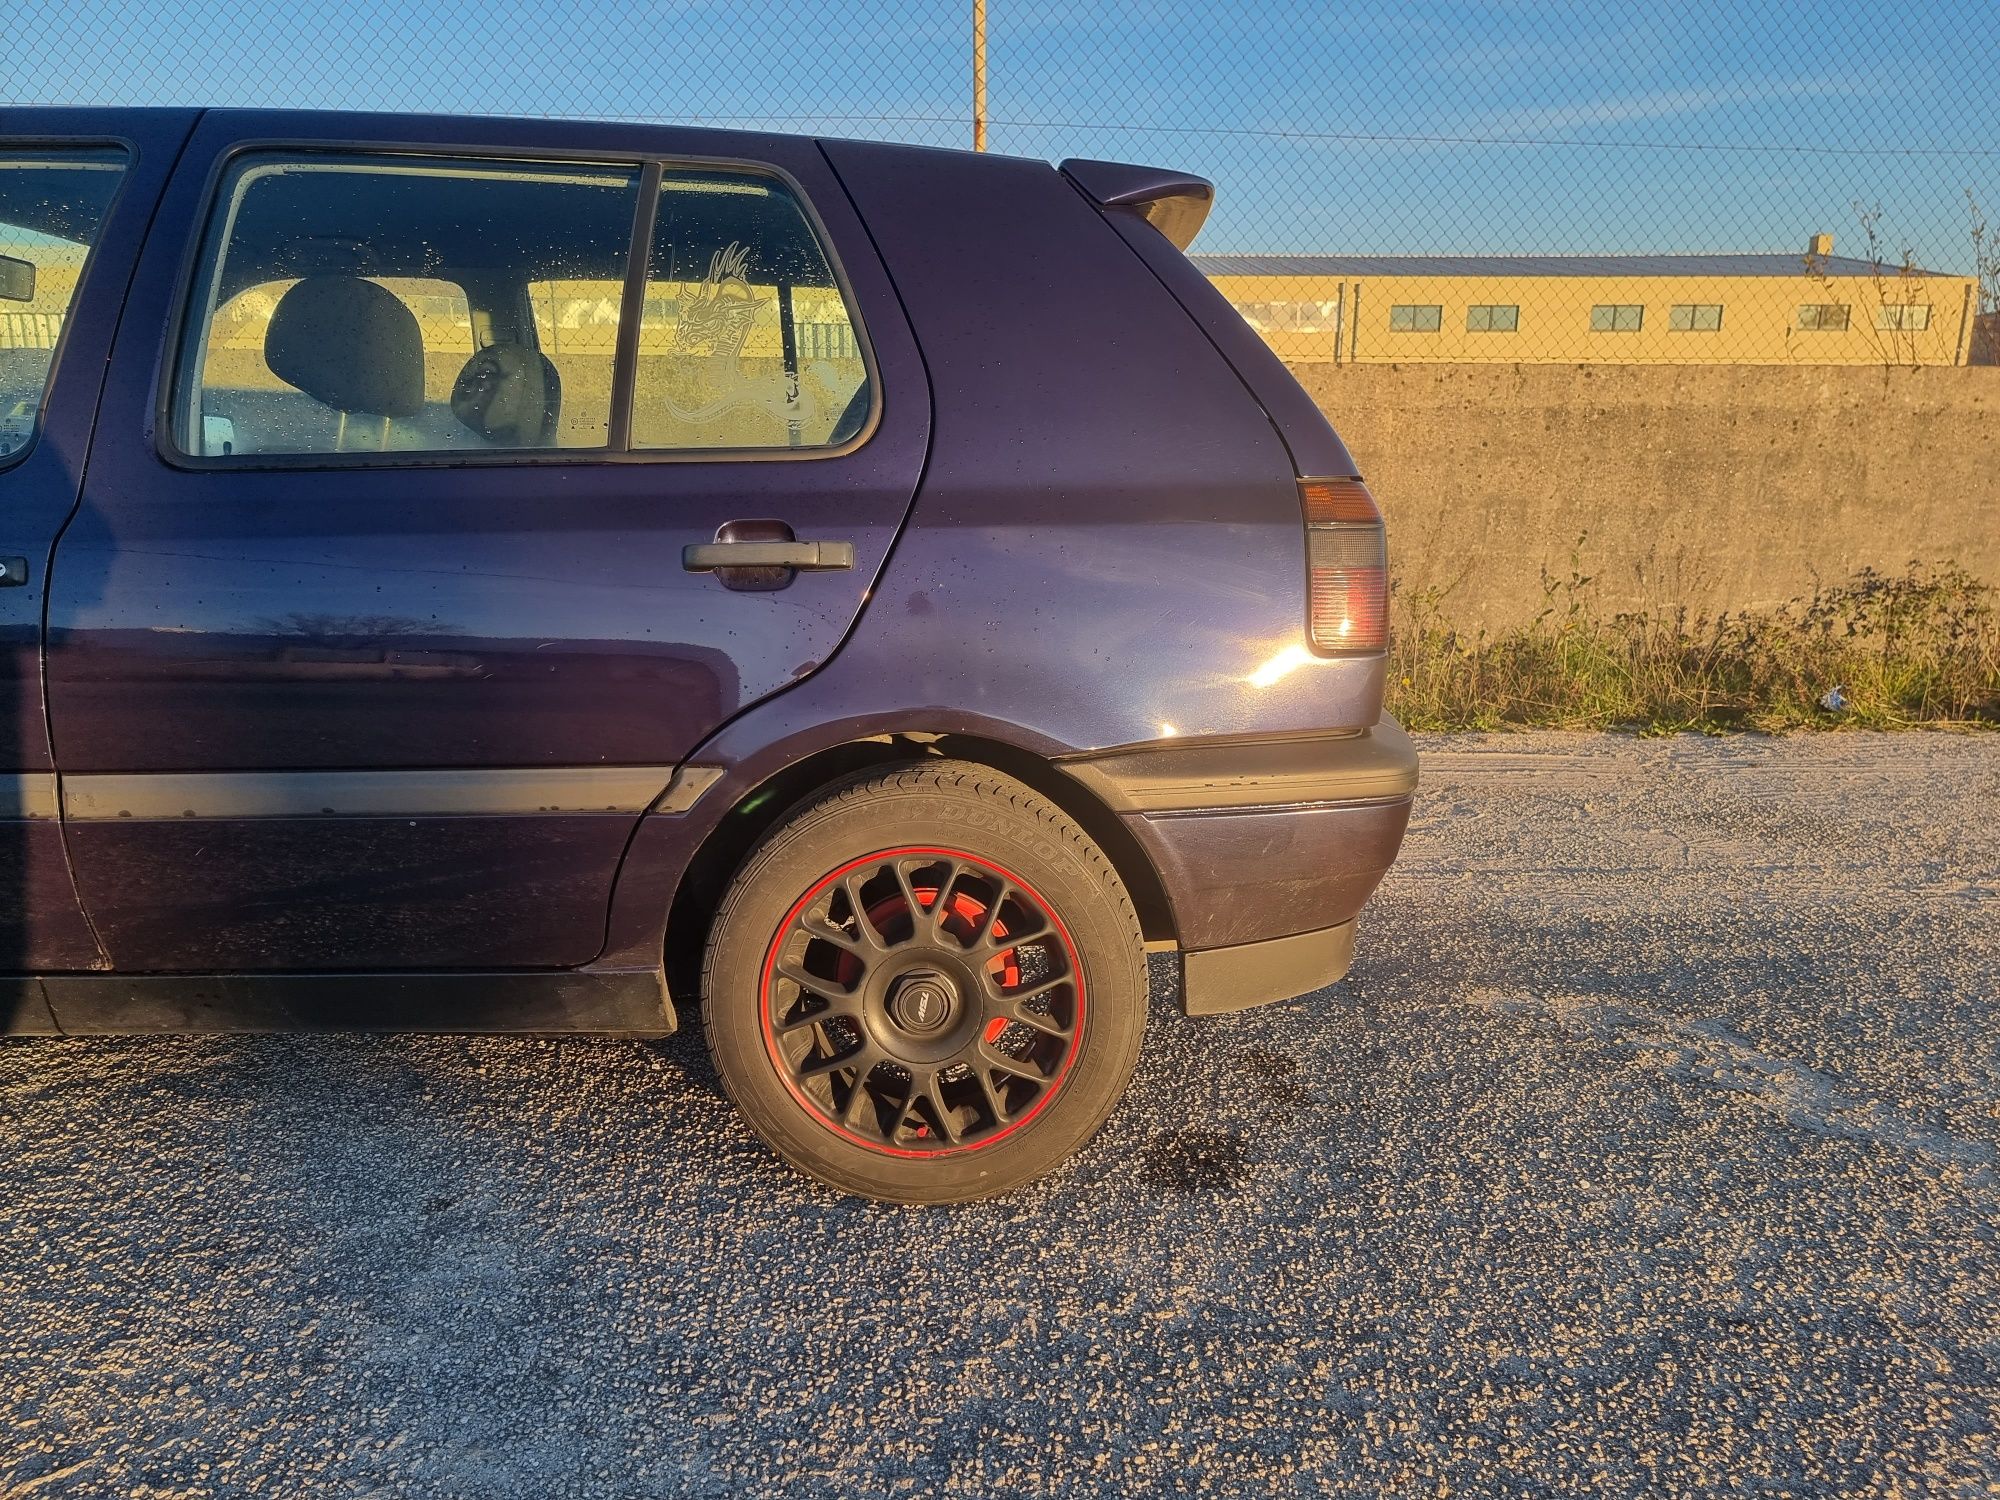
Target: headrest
348 343
510 395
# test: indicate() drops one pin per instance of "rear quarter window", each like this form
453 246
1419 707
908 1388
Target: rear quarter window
746 337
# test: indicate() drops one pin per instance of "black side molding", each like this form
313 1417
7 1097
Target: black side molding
622 1002
1175 203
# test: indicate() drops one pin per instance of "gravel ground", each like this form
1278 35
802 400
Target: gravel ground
1653 1148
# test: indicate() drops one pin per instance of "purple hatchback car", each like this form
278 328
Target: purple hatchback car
489 575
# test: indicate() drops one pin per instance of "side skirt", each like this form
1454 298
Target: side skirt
620 1002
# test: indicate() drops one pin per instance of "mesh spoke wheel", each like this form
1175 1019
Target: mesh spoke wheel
922 1001
925 985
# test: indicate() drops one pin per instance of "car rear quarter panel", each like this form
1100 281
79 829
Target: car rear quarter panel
1106 547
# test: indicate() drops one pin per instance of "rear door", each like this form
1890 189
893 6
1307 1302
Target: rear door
374 634
76 190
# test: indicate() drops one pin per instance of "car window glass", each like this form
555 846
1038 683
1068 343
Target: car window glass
746 339
355 306
246 395
51 206
576 324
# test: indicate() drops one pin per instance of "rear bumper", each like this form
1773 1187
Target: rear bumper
1266 850
1215 981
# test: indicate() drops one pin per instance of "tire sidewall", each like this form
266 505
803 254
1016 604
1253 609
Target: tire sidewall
994 828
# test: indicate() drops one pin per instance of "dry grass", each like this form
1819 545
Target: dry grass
1921 649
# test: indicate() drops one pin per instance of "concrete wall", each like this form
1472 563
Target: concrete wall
1721 487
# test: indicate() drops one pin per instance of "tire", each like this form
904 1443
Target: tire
926 986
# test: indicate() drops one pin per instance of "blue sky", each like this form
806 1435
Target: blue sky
1391 126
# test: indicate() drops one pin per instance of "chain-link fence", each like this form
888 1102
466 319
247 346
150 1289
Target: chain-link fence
1731 182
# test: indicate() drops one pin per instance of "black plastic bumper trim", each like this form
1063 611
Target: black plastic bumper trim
1370 765
1216 981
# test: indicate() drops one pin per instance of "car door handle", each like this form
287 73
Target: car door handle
13 572
806 557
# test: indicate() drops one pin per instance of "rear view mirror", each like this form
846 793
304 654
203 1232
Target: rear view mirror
17 279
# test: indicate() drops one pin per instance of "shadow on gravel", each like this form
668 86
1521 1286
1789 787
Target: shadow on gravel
686 1053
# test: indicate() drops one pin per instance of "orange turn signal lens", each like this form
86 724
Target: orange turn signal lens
1338 502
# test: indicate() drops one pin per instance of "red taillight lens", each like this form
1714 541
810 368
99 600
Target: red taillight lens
1347 568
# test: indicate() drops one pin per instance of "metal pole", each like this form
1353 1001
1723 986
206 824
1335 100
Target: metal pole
978 75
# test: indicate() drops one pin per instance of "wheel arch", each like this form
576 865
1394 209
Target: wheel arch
760 809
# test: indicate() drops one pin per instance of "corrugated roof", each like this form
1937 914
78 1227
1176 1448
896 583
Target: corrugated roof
1536 265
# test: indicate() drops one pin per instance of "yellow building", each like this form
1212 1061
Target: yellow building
1816 308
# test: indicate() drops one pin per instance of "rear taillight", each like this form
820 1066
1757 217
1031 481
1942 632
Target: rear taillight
1347 568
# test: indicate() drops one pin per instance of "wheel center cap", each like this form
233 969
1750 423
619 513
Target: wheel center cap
924 1003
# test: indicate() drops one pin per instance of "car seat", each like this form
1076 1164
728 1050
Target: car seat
509 395
349 344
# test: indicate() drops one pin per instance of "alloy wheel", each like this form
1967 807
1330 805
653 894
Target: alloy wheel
922 1001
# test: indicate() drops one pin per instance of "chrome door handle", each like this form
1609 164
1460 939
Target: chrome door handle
806 557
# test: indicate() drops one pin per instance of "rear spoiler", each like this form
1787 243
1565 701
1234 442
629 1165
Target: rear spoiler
1175 203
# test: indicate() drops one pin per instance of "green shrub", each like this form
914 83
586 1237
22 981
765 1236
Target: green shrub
1919 649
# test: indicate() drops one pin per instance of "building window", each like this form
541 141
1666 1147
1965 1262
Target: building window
1617 317
1823 317
1695 317
1291 317
1494 318
1909 317
1415 318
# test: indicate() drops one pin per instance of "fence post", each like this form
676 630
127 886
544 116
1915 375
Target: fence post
978 75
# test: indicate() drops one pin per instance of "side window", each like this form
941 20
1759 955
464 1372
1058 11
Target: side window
51 204
745 339
353 305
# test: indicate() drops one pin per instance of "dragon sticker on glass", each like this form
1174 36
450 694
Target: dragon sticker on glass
715 318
